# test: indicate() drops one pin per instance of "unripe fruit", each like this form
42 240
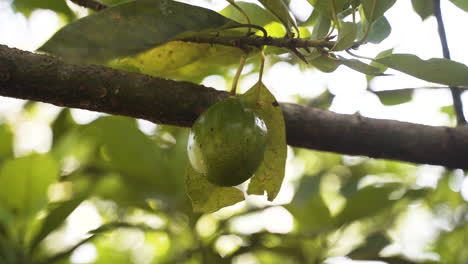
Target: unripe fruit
227 143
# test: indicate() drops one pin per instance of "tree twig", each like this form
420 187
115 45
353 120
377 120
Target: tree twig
258 41
456 93
47 79
91 4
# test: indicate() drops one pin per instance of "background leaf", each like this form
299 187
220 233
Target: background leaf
138 160
371 248
281 11
257 14
142 24
328 8
57 214
463 4
395 97
435 70
269 176
373 9
452 245
308 207
24 183
424 8
367 201
6 142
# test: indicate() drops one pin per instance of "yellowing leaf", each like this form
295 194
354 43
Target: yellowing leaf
182 60
207 197
269 176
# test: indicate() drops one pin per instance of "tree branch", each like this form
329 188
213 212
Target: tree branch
91 4
456 93
47 79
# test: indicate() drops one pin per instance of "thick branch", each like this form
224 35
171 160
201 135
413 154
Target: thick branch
43 78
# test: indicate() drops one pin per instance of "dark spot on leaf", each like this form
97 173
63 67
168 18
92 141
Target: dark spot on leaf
211 129
275 103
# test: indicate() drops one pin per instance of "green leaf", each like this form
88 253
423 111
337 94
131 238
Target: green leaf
6 142
382 68
325 63
371 248
281 11
269 176
207 197
142 25
346 36
448 110
24 183
395 97
463 4
113 226
435 70
424 8
321 26
62 124
360 66
329 7
379 31
451 245
365 202
28 6
257 15
373 9
444 193
182 61
56 215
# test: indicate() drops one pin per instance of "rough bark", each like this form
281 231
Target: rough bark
47 79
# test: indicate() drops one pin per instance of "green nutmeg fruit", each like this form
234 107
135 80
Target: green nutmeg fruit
227 142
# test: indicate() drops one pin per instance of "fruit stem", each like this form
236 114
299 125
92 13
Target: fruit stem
260 75
243 58
262 65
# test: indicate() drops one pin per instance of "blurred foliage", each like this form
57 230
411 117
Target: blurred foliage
106 192
135 181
